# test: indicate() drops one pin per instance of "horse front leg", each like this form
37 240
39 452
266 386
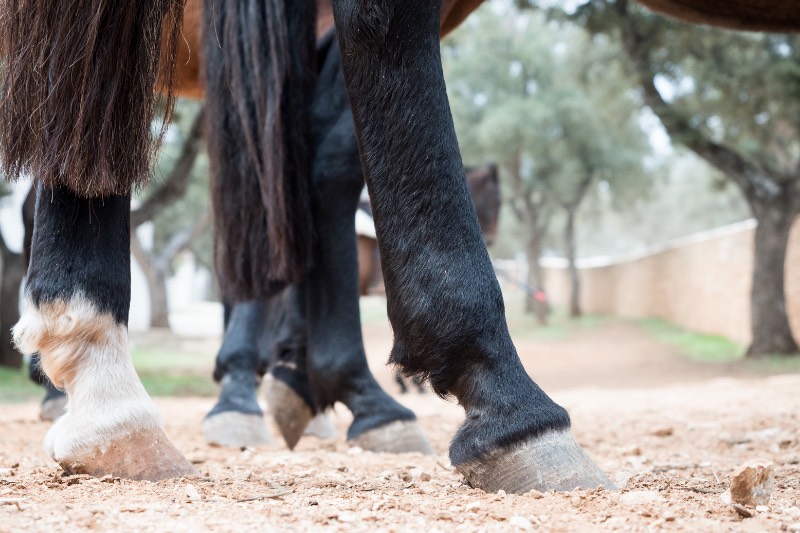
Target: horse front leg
75 316
444 301
237 419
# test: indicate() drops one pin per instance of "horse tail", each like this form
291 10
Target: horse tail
77 89
260 77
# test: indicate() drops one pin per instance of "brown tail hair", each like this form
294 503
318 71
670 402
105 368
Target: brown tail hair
259 86
77 88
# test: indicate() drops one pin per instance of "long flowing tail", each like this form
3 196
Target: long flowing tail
77 81
259 85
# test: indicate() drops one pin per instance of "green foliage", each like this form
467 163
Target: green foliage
696 346
551 105
181 215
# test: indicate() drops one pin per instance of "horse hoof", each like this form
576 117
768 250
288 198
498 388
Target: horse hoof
553 461
291 413
142 455
321 426
231 428
400 436
53 409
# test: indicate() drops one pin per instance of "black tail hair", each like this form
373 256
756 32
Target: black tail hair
259 86
77 81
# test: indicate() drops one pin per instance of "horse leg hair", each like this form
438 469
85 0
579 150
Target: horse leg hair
75 316
337 363
444 301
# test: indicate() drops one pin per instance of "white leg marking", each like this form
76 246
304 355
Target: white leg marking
85 352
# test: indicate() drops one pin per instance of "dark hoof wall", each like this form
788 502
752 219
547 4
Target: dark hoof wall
553 461
400 436
234 429
290 411
53 409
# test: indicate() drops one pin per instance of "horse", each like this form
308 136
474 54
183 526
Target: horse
484 189
76 110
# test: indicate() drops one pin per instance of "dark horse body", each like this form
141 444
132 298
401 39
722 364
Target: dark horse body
76 112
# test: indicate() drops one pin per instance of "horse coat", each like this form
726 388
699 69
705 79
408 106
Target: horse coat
76 110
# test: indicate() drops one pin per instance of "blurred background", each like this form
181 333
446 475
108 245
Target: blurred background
650 180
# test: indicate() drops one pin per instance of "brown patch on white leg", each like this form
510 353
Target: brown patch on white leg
111 425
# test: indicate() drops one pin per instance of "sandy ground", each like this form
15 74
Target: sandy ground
668 431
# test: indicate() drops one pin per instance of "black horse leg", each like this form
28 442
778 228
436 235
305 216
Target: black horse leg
54 403
75 317
337 363
55 400
445 304
237 419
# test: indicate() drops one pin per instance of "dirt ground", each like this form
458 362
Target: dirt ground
667 430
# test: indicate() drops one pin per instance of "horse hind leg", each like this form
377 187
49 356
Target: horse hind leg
337 363
75 316
444 301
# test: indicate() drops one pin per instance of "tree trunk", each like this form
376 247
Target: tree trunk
574 275
156 284
769 322
535 301
12 271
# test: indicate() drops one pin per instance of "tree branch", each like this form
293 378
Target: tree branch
181 240
754 182
175 185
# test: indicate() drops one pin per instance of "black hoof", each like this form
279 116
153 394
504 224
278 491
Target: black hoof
552 461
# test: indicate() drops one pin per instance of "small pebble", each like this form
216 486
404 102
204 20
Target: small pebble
535 494
191 492
663 432
521 522
636 498
752 483
472 507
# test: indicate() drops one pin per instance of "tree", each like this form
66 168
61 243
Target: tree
555 109
160 202
733 99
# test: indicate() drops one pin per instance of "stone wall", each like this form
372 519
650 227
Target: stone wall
701 282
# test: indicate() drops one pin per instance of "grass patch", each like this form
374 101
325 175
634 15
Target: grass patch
774 364
164 372
696 346
560 326
16 387
179 385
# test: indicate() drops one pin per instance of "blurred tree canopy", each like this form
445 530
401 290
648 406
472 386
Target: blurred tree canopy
733 98
176 204
555 108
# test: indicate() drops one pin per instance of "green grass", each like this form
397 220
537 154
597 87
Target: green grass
16 387
164 372
560 326
695 346
717 349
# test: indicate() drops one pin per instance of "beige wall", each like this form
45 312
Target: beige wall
701 283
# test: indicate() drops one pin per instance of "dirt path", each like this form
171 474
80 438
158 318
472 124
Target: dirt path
669 431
